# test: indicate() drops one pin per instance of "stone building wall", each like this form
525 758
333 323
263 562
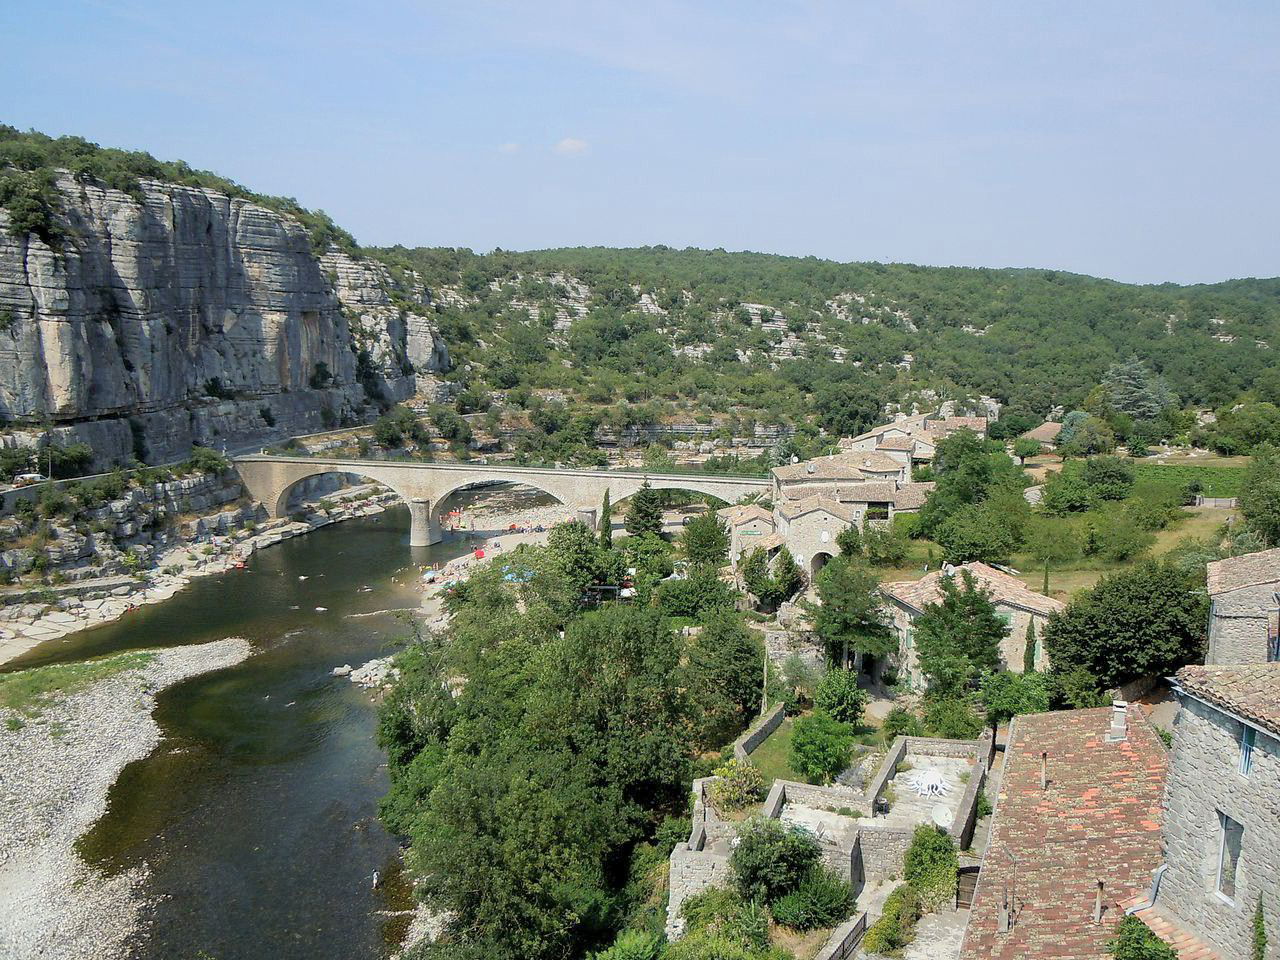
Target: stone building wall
1203 780
884 849
1238 624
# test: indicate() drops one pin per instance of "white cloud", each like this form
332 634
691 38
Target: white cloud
571 145
509 148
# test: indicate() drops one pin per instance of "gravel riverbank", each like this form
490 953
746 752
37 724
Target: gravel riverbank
55 773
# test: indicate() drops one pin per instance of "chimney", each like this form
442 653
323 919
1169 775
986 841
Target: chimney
1044 769
1119 722
1002 918
1097 903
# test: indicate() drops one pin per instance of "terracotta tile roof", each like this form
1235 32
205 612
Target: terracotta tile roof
797 508
820 468
911 496
1003 587
1244 571
951 424
1099 818
1249 690
1174 932
1047 432
905 444
741 513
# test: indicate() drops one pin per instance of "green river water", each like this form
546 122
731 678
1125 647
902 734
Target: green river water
257 813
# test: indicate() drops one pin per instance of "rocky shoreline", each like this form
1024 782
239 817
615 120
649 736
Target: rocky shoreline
91 603
56 770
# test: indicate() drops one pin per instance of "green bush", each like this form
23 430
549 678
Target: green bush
953 719
633 945
1135 941
897 924
820 746
822 899
930 866
838 694
771 859
901 722
740 784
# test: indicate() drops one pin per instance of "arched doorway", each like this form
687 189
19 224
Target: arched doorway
816 564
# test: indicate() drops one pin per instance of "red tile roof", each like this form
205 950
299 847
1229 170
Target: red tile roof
1099 818
1003 587
1249 690
1173 931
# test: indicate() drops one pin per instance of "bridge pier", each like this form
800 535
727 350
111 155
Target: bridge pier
424 529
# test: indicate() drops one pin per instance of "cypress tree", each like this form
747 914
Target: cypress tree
606 522
1029 653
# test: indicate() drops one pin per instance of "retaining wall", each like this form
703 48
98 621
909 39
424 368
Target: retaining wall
746 744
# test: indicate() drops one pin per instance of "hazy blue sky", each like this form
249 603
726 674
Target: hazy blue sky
1133 140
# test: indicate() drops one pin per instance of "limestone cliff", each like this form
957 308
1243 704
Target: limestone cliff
191 316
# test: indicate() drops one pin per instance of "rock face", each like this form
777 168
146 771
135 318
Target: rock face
192 316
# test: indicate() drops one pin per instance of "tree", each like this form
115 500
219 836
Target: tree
846 409
771 858
725 664
1050 541
1092 435
776 587
1029 648
645 512
976 533
1133 389
838 695
574 551
820 746
1145 621
1006 694
958 639
706 540
952 718
695 595
851 614
930 866
849 540
1066 492
1260 494
606 522
1026 447
1110 478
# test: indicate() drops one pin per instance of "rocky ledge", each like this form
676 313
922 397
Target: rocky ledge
55 772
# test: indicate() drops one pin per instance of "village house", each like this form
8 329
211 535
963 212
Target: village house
1221 830
1075 835
1015 603
913 440
1046 434
749 525
1244 612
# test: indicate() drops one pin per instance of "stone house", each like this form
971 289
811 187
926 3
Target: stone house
809 527
1221 823
913 440
1015 603
1244 612
1046 434
749 525
1074 838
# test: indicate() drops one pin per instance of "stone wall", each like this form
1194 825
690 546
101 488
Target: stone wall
884 848
758 733
1238 624
1204 781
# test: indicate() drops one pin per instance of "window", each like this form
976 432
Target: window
1247 737
1006 616
1229 855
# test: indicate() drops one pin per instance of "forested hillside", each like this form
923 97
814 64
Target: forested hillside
568 341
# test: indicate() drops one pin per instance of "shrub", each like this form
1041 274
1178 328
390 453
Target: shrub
822 899
901 722
1135 941
633 945
953 719
820 746
884 548
740 784
930 866
838 695
897 924
771 859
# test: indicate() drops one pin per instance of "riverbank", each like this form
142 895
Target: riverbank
61 611
59 757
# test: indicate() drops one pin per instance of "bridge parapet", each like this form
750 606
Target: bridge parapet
425 486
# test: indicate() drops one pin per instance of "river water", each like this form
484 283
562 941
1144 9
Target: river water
257 815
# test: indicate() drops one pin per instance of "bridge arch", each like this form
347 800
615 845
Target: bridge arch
443 494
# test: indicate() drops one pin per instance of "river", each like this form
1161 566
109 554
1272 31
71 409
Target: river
258 813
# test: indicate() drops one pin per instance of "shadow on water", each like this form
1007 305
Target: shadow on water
257 815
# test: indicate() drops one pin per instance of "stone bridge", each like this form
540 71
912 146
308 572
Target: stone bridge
426 486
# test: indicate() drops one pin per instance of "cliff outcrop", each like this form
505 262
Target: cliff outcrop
189 316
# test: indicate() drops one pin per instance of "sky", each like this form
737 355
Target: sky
1133 140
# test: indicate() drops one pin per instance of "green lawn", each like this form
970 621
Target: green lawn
771 756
